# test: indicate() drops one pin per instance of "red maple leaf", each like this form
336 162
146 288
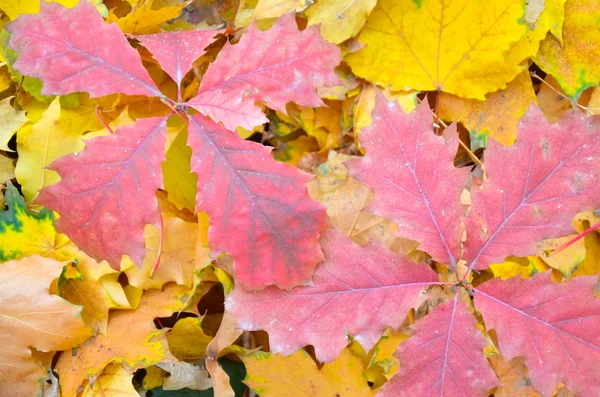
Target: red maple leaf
259 214
352 291
106 193
555 327
72 50
534 187
532 191
407 174
286 67
444 357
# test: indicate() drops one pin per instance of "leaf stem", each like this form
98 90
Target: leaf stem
102 120
573 103
575 239
176 111
160 245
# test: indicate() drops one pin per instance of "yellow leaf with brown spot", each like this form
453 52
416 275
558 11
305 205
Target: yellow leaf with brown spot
565 261
115 381
293 151
456 47
553 100
574 64
498 116
30 317
339 19
514 376
591 263
273 375
131 339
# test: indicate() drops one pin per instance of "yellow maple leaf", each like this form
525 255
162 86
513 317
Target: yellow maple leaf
245 13
382 364
452 46
144 20
14 8
31 317
550 19
339 19
57 133
187 340
114 381
10 121
498 115
131 339
526 267
574 64
591 263
177 260
322 123
565 261
366 102
273 375
23 233
277 8
179 180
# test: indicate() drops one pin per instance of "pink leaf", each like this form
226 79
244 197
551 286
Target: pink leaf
359 290
107 193
72 50
555 327
259 209
177 51
534 188
274 67
411 171
443 358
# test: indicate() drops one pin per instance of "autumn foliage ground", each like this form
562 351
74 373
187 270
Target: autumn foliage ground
282 198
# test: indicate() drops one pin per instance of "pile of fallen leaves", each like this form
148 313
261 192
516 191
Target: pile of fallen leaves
280 198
